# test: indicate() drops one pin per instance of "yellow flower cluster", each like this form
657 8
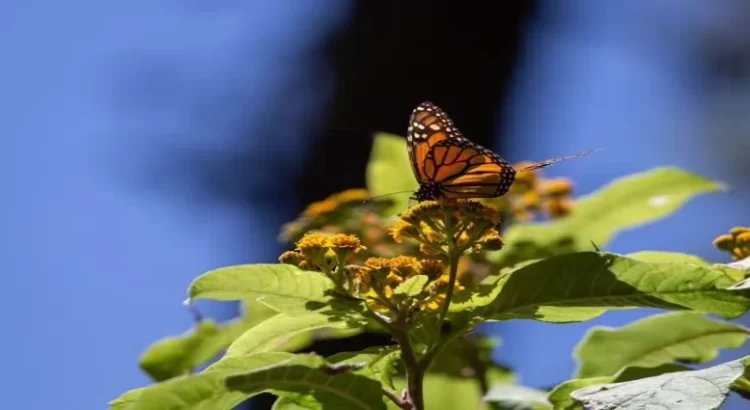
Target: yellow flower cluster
396 285
403 284
439 227
329 254
531 195
736 242
350 212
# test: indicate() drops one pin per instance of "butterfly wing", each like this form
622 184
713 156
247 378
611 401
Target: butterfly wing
428 126
467 170
440 154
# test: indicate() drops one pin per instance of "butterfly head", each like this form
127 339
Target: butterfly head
429 191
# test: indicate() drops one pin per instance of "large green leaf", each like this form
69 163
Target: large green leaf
305 381
177 355
656 340
668 257
269 335
389 171
284 288
300 378
561 398
201 391
623 204
377 363
688 390
580 286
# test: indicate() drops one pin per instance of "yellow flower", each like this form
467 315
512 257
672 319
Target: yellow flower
491 242
737 230
402 229
557 187
351 195
725 242
404 266
344 246
743 238
736 243
312 242
530 199
558 207
526 179
426 210
321 208
377 264
291 258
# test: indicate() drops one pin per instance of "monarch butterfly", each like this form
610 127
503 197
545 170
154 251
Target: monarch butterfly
447 165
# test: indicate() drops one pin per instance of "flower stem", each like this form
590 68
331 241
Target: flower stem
452 275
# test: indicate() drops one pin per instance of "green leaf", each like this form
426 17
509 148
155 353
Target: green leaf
623 204
668 257
412 286
742 264
177 355
631 373
656 340
389 171
742 385
201 391
284 288
560 395
380 363
272 334
128 400
224 385
580 286
303 381
515 397
174 356
696 389
442 392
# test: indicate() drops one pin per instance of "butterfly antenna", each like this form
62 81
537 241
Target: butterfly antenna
546 163
384 195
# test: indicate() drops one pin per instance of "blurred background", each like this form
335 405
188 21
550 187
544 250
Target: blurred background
144 143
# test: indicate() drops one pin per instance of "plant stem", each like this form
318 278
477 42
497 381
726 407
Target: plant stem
396 400
414 372
448 296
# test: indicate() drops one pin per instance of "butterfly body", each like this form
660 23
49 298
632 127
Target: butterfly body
449 166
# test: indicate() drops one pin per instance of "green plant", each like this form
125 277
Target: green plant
429 274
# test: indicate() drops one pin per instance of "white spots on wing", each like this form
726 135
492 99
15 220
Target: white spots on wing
659 200
434 127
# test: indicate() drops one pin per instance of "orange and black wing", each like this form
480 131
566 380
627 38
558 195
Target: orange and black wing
463 169
428 126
